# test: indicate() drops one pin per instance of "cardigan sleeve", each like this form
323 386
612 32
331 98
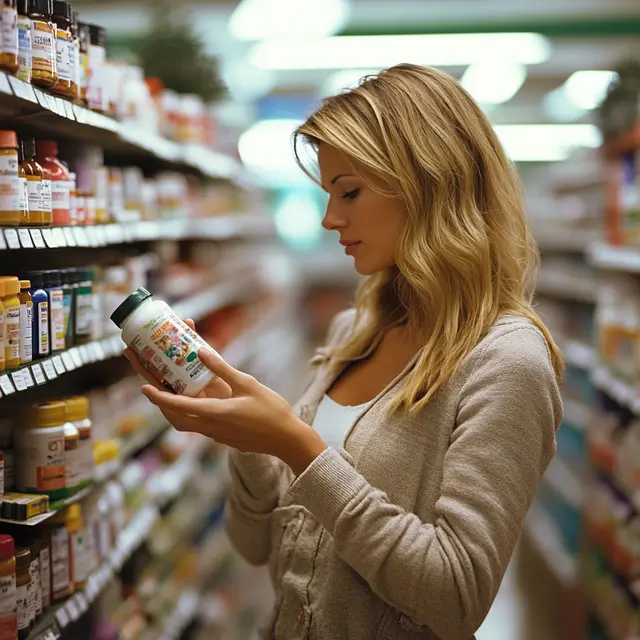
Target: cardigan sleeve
445 575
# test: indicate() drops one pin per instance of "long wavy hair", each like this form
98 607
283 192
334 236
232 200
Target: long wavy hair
466 255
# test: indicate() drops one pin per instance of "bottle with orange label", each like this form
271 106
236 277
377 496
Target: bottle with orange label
39 444
11 304
47 156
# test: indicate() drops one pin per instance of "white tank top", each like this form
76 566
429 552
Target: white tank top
333 421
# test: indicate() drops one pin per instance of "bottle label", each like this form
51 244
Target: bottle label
64 55
84 313
24 48
34 193
60 196
2 337
168 349
72 463
22 603
45 576
45 192
12 332
43 57
59 561
44 452
24 195
68 297
81 558
9 31
35 603
56 319
96 89
43 329
9 183
26 332
8 607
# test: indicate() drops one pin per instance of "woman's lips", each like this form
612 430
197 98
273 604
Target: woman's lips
350 247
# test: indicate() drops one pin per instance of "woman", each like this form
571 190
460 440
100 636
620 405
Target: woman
389 505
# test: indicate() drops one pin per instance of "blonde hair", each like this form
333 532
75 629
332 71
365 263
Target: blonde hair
466 255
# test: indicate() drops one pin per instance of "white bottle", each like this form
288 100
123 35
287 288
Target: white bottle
165 345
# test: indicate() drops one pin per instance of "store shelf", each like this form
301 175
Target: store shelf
545 536
47 370
58 117
621 391
561 284
577 414
566 483
182 616
615 258
577 353
95 236
560 239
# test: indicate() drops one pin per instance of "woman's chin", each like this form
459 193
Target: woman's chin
367 267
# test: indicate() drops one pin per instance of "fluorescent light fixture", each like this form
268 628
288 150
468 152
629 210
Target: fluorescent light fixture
441 50
259 19
494 82
588 88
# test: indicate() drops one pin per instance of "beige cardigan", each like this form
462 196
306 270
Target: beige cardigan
405 534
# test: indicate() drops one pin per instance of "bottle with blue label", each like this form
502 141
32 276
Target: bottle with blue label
41 341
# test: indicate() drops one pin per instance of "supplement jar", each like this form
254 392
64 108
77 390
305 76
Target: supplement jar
56 309
78 416
79 553
39 444
8 602
26 322
11 304
165 345
10 214
24 41
43 44
9 39
23 590
97 58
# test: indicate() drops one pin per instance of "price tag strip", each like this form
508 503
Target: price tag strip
38 240
49 238
12 238
70 237
28 380
18 381
25 238
49 370
38 374
59 365
68 361
76 357
6 386
58 237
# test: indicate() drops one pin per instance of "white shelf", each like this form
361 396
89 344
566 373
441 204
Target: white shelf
103 235
577 414
615 258
621 391
561 284
577 353
558 239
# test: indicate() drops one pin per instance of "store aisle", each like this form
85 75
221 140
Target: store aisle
521 611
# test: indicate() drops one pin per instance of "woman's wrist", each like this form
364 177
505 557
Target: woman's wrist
302 447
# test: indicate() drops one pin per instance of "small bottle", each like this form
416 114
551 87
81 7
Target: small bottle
10 214
163 342
8 599
47 155
96 92
56 309
3 364
84 307
44 538
68 284
24 41
11 304
40 338
24 187
35 602
23 590
26 322
9 39
43 44
39 210
65 85
75 54
61 585
79 553
73 199
84 38
78 416
72 462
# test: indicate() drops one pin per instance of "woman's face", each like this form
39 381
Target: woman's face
368 222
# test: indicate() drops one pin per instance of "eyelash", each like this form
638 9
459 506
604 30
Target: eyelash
350 195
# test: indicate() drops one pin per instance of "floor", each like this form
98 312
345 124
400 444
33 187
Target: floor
520 611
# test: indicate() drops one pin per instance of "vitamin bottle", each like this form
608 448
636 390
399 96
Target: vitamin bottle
75 53
24 41
9 40
163 343
73 204
40 339
56 309
61 586
24 187
43 537
9 179
78 416
84 306
43 44
8 601
47 156
3 364
71 459
23 590
35 600
84 38
79 553
11 304
96 92
26 322
39 191
68 277
65 85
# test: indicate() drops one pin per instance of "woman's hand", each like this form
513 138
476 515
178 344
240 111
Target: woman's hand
238 411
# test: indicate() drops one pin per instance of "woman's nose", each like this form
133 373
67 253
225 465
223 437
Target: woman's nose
332 221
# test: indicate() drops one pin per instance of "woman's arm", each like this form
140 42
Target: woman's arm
445 575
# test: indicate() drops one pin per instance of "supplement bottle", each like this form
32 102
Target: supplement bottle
96 92
61 586
9 36
3 364
56 309
84 306
9 180
39 210
40 338
65 85
43 44
79 553
47 155
8 602
26 322
165 345
78 416
75 54
39 443
73 205
24 188
72 466
43 537
11 304
68 279
23 590
2 474
84 38
24 41
35 603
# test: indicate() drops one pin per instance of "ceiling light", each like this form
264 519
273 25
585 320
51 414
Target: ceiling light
587 89
258 19
441 50
494 82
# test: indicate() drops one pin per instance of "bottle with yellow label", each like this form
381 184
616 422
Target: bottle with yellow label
11 304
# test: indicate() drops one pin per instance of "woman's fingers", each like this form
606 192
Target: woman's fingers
190 323
237 380
140 370
182 422
195 407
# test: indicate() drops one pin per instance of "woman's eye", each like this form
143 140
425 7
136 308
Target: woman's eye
350 195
